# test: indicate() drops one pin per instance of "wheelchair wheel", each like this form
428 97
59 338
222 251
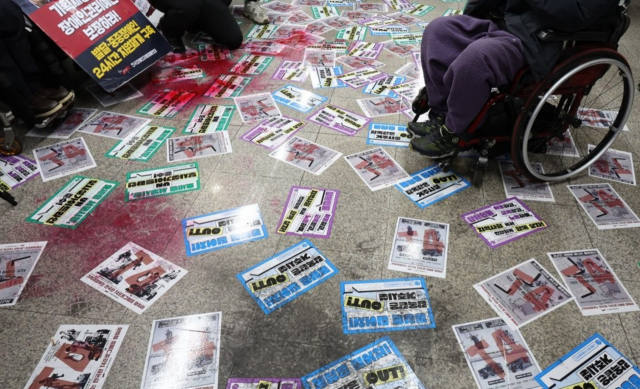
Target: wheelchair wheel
14 149
573 116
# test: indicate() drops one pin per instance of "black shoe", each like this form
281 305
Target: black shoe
178 45
424 128
42 107
59 94
439 143
420 104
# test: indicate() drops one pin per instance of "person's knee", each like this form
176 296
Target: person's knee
232 39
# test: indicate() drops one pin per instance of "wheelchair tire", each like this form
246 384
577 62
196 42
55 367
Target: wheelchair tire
546 121
15 149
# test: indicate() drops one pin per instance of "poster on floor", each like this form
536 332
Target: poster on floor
264 383
110 40
309 212
378 364
227 86
107 99
260 106
306 155
163 181
291 71
383 87
299 99
517 185
383 134
498 356
223 229
74 120
167 103
326 77
15 171
251 64
606 209
186 148
503 222
319 58
287 275
63 158
381 106
142 144
595 287
69 206
613 165
207 118
376 168
362 49
184 352
594 364
361 77
176 74
78 357
17 261
134 277
385 305
273 132
523 293
430 185
113 125
341 120
420 247
564 146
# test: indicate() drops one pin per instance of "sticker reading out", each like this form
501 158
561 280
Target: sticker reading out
385 305
594 364
377 365
287 275
223 229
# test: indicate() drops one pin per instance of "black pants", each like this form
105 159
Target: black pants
16 60
209 16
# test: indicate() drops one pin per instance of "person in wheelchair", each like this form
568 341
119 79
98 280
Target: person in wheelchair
19 71
463 57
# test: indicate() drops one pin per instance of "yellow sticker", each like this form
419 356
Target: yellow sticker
269 282
204 231
382 376
490 227
364 303
581 385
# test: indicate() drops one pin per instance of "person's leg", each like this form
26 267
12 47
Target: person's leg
16 60
442 42
179 15
217 22
486 63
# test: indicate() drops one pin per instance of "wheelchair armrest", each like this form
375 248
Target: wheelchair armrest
580 36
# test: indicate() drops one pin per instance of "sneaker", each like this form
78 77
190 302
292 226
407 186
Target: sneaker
424 128
439 143
420 104
42 107
59 94
253 11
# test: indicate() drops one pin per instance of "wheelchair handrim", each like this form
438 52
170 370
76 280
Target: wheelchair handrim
614 129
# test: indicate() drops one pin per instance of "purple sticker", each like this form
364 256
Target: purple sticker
503 222
256 383
309 212
271 133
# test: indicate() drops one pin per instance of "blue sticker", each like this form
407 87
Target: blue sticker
223 229
385 305
297 98
377 365
383 134
593 364
431 185
278 280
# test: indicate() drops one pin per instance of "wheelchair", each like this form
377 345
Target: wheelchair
554 128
